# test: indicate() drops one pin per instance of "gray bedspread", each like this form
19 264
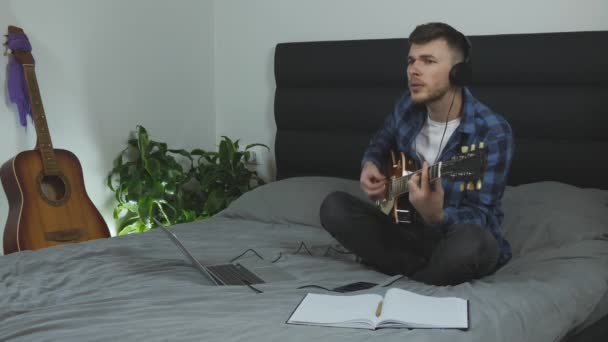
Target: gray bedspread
140 288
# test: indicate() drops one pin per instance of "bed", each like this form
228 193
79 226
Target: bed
330 97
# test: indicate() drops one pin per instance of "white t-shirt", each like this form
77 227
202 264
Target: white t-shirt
427 141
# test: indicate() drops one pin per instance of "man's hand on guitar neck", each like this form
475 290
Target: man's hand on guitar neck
428 203
372 180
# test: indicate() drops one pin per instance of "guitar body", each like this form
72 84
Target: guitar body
467 167
400 208
47 209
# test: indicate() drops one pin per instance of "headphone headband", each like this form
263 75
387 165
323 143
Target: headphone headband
461 73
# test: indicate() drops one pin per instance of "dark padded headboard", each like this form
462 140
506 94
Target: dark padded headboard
552 88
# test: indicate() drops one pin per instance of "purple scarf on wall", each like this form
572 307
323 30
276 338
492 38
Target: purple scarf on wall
17 89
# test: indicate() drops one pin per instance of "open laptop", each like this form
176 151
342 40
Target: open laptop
244 272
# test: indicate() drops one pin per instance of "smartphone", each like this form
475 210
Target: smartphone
360 285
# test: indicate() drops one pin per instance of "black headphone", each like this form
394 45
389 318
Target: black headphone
461 73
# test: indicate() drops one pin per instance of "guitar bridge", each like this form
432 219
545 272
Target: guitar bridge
64 235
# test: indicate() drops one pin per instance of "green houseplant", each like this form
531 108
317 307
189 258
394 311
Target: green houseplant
223 176
149 182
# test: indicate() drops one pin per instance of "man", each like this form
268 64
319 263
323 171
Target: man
457 237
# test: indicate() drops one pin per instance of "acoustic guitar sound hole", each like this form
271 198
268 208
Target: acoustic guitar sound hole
53 189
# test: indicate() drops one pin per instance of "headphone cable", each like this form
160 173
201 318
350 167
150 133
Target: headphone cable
445 128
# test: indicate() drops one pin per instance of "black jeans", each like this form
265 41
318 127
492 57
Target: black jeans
462 253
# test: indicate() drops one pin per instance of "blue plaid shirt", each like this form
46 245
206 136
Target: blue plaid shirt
478 123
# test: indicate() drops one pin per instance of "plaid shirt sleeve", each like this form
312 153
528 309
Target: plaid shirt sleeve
483 207
384 140
381 143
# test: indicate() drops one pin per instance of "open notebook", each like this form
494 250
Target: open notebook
397 309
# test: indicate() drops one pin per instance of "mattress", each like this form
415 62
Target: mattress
139 287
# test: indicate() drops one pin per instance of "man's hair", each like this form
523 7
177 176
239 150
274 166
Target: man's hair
425 33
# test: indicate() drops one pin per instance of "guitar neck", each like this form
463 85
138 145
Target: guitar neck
44 143
399 186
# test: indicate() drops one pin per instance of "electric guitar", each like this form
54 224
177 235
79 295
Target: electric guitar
467 167
48 203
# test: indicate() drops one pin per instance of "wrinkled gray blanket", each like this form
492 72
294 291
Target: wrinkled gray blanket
139 287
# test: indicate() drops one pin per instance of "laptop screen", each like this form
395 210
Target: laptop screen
187 253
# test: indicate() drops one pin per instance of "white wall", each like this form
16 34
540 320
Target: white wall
247 31
105 66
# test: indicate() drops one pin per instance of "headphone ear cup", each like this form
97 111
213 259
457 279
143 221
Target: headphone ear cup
461 74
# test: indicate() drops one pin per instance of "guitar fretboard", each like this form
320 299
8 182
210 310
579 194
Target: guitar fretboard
42 130
399 186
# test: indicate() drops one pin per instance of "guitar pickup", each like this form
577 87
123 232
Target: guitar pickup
403 216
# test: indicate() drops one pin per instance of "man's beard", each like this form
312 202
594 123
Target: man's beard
432 97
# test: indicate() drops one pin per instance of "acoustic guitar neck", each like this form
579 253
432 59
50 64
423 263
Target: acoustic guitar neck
43 143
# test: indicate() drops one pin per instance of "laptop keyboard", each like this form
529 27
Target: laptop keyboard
231 274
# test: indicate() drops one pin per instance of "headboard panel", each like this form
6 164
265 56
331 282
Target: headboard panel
551 87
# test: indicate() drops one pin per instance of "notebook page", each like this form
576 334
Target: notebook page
330 310
425 311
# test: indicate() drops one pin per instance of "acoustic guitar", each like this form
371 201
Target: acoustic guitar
48 203
466 167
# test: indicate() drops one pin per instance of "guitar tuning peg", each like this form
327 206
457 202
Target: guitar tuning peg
481 145
464 149
470 186
461 187
472 147
478 185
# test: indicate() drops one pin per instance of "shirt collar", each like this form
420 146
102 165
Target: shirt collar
467 119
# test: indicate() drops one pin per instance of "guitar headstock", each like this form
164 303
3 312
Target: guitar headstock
467 167
22 56
15 29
